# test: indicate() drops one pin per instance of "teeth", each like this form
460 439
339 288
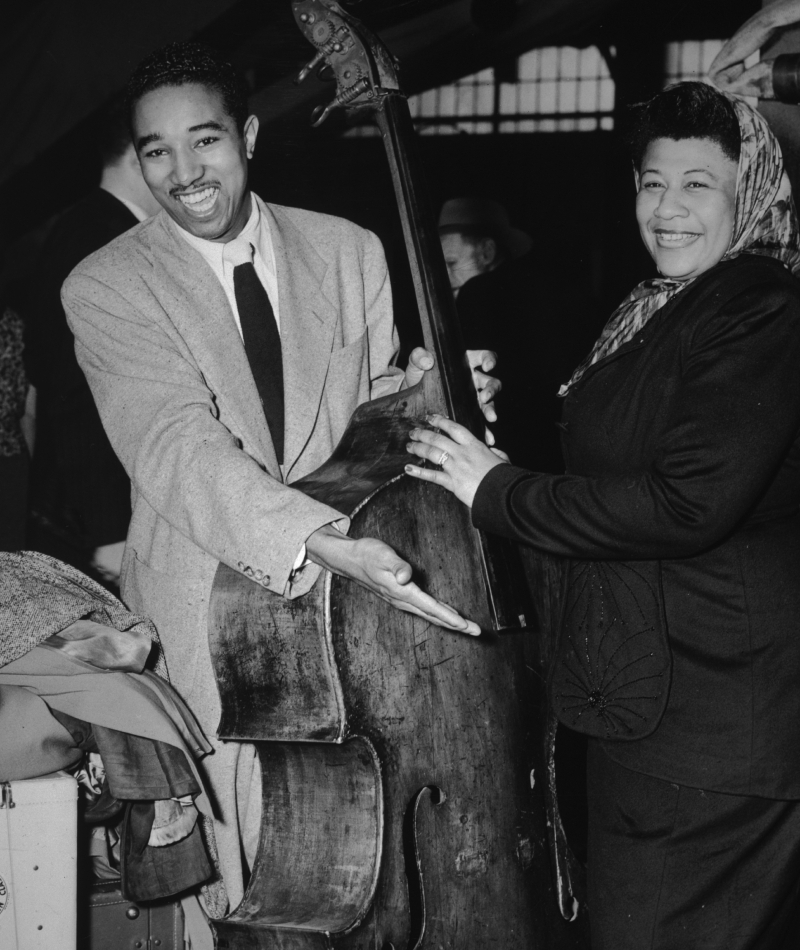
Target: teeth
199 200
675 237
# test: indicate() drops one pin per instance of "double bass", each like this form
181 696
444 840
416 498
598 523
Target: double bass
403 772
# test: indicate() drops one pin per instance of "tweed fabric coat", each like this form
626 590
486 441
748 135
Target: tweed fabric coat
40 596
157 340
683 463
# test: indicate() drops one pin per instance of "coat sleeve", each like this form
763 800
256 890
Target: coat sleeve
163 422
736 416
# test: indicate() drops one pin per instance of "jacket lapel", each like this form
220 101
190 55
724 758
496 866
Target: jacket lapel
199 310
308 319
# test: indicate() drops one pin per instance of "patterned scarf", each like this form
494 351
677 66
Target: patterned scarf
765 223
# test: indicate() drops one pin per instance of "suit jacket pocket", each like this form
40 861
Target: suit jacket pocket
345 362
612 667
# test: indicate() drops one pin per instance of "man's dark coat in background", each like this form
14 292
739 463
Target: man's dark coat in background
80 494
539 315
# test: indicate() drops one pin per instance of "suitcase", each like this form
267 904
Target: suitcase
118 924
38 863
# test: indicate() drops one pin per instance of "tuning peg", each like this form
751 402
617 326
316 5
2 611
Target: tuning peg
310 66
321 113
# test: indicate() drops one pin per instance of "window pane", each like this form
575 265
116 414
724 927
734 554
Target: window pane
548 59
447 100
548 97
529 65
689 60
553 81
606 101
509 98
568 65
568 96
591 63
465 98
485 100
427 105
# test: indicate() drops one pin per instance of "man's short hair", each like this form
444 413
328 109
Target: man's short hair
181 64
686 110
112 131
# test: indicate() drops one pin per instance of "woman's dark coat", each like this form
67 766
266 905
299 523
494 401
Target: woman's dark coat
683 459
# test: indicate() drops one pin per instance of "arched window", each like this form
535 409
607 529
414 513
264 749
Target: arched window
552 89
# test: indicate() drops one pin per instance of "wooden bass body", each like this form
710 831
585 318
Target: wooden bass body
403 775
403 765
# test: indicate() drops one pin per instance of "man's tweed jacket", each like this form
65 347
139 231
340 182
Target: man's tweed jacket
157 340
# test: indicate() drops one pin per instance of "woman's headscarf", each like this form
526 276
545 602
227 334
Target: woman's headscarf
765 222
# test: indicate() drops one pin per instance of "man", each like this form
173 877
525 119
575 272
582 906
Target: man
185 328
80 494
534 307
540 315
477 237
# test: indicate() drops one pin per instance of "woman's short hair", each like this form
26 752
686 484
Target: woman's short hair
181 64
687 110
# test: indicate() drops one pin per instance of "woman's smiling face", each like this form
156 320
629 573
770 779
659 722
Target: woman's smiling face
686 205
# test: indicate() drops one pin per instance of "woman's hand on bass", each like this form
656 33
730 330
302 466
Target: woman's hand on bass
463 460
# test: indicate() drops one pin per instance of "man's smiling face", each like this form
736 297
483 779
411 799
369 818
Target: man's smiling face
194 159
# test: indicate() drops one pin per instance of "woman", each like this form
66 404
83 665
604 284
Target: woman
678 523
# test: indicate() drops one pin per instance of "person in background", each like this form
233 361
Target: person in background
477 237
728 71
534 306
79 492
677 526
14 457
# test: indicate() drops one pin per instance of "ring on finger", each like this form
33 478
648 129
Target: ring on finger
443 459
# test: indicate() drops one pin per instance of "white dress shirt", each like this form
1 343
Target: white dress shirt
253 244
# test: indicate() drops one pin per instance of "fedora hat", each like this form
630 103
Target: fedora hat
483 214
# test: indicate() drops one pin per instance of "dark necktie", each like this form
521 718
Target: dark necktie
262 343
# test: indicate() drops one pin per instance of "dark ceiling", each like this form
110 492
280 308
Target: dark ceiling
61 59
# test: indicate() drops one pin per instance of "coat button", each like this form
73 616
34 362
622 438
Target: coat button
265 581
240 565
248 571
259 575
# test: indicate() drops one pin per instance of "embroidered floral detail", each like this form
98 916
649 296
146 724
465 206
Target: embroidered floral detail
611 675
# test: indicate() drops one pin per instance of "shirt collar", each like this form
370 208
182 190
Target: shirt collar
213 251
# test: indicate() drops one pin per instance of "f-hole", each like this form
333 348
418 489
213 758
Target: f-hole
413 865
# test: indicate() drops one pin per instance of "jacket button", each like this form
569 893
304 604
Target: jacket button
248 571
240 565
265 581
259 575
